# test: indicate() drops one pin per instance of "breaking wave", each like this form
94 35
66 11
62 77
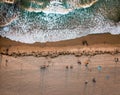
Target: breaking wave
29 27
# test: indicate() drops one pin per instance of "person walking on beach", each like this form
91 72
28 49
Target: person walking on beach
94 80
6 62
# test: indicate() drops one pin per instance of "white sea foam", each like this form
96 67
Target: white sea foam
50 35
50 27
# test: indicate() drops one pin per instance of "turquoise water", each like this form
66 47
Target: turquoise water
41 26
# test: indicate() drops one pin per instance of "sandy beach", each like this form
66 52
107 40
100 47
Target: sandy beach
61 68
101 43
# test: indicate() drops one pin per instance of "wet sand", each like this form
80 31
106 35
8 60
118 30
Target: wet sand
93 39
95 44
21 73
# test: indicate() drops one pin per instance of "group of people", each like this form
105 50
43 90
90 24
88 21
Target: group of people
93 80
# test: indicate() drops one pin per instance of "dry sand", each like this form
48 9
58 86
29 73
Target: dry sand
21 73
101 43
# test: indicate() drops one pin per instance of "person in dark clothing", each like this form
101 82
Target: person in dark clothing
66 67
6 63
71 67
116 60
79 62
94 80
85 43
86 82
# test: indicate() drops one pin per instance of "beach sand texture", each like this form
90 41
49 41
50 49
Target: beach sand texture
60 68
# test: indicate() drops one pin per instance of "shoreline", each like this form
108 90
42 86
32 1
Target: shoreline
61 68
89 45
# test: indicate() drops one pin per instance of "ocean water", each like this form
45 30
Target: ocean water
26 26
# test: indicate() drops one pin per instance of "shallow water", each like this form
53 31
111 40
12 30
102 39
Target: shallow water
23 76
